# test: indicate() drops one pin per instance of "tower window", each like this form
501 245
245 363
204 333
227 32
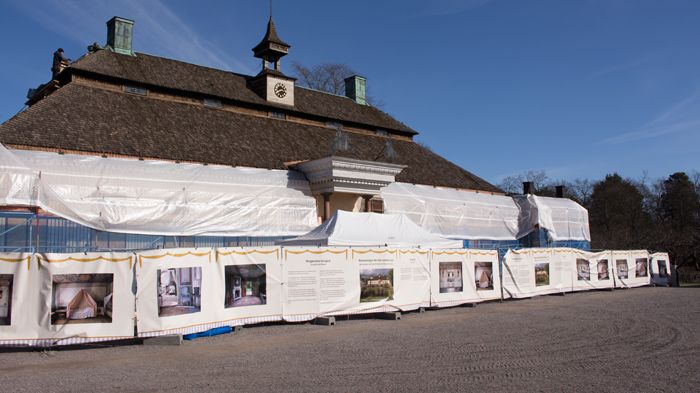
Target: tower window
278 115
382 133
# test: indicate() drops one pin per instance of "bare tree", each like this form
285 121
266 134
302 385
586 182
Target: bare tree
580 190
328 77
695 177
513 184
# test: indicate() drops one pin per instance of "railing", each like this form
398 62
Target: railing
29 232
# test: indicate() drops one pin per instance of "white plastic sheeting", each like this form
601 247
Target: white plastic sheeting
563 218
454 213
371 229
159 198
17 182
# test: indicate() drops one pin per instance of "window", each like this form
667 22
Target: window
376 205
136 90
212 103
278 115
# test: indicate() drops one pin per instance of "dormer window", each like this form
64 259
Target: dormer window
213 103
136 90
278 115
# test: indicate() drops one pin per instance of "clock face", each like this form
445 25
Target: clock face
280 90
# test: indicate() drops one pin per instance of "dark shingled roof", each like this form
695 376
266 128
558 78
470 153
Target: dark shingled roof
89 119
190 78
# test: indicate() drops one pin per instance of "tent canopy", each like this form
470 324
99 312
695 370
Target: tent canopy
371 229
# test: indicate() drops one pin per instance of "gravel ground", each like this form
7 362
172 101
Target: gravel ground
644 339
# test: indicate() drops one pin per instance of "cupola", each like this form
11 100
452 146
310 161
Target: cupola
271 84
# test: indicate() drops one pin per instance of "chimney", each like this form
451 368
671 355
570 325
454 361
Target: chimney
527 187
120 35
355 89
560 191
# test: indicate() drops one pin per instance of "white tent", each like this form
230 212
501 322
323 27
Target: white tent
371 229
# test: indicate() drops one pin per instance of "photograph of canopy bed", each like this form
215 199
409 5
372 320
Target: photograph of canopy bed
246 285
483 276
81 298
179 291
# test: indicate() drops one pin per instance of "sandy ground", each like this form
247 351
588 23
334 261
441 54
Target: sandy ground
644 339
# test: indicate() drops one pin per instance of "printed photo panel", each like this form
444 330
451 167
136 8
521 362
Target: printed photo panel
251 287
660 268
413 279
19 300
483 271
631 268
518 274
537 271
451 278
392 279
86 297
177 291
593 270
319 281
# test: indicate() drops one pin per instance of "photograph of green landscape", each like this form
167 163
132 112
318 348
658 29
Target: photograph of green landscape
376 285
541 274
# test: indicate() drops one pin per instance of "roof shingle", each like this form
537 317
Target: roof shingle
190 78
89 119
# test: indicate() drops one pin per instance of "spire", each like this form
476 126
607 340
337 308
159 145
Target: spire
271 47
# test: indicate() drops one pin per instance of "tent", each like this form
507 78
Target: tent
82 306
371 229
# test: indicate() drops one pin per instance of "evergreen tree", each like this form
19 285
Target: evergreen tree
679 212
616 215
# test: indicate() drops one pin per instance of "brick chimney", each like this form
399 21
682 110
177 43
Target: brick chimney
527 188
560 191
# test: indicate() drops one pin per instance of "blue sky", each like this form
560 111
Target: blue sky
577 88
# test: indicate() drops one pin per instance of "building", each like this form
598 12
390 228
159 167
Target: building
125 150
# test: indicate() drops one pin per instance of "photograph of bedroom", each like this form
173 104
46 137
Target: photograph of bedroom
483 276
603 272
81 298
641 267
583 269
450 277
5 299
246 285
179 291
621 268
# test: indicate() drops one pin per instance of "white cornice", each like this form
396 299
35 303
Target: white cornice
339 174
